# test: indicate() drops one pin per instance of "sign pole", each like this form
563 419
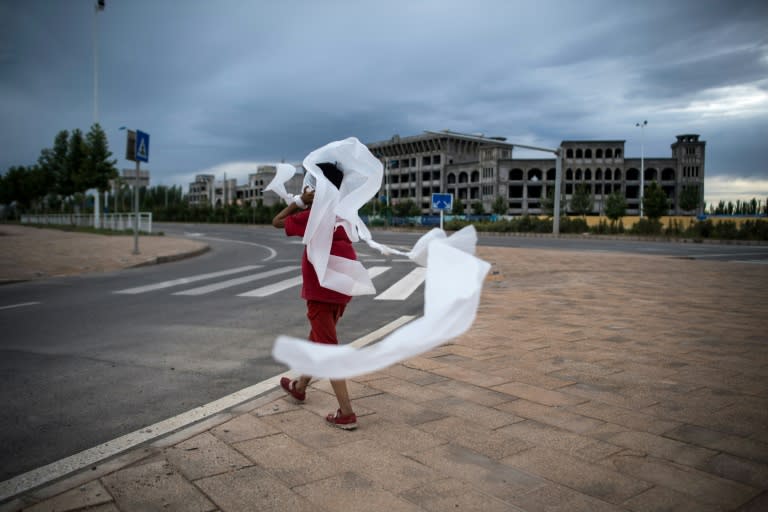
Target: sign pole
441 218
136 211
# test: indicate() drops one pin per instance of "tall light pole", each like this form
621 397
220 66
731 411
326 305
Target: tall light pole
642 163
98 6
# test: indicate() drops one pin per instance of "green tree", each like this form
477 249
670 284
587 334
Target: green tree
407 208
582 201
477 208
23 185
615 207
71 177
53 161
548 202
500 206
458 207
689 198
655 201
98 169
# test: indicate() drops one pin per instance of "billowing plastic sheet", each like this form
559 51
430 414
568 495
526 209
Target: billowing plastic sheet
453 283
451 297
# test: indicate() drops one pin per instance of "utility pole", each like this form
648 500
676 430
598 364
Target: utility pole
642 163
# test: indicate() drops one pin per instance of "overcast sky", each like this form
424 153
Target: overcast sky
223 85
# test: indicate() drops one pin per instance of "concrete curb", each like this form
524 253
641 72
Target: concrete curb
172 257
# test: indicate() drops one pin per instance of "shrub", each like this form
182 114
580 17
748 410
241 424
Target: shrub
646 226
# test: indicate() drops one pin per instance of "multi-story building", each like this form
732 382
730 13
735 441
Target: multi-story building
207 191
253 191
479 169
201 190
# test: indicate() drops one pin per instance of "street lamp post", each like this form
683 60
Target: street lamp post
642 163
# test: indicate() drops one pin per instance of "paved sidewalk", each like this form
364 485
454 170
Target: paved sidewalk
589 382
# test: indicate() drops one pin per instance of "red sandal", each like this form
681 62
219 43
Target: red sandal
290 387
340 421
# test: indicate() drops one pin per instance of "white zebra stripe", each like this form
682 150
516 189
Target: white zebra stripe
237 281
402 289
186 280
273 288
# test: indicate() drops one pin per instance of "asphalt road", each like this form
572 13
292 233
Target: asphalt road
82 364
84 361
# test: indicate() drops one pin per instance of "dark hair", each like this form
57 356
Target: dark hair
332 172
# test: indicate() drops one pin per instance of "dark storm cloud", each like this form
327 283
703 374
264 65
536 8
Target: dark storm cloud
231 81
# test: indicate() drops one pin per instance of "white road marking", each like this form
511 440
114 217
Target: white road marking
264 291
92 456
187 280
280 286
402 289
237 281
20 305
756 262
374 272
272 252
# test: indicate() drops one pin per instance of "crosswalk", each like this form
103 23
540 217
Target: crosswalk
400 290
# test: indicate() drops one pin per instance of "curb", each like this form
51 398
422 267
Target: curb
172 257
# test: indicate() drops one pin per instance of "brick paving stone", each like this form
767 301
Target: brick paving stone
591 479
397 410
469 376
739 446
308 428
242 428
452 494
88 495
484 473
491 443
664 499
287 459
738 470
414 376
699 485
758 504
488 417
624 417
350 491
398 437
557 498
556 438
321 402
276 407
386 468
421 363
557 416
204 455
356 389
532 377
538 394
253 490
610 394
154 486
659 447
407 390
472 393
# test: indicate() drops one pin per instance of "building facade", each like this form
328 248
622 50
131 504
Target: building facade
480 169
207 191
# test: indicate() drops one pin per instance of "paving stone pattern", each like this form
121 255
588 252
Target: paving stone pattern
589 382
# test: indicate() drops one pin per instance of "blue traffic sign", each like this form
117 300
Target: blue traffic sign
142 146
442 201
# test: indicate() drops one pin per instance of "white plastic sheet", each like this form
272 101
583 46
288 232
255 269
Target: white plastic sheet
454 276
454 281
